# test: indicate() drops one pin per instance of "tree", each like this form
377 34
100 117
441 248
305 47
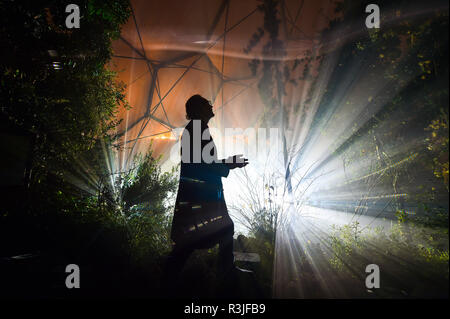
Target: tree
54 83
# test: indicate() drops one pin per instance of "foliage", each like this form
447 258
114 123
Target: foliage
72 212
412 57
66 109
54 85
438 145
413 61
147 200
413 257
146 183
141 199
395 153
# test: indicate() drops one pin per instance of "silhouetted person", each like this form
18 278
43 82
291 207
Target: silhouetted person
201 217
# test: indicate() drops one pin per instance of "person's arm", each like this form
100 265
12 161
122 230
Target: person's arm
235 161
221 168
209 167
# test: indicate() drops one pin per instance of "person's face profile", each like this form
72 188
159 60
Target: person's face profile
207 109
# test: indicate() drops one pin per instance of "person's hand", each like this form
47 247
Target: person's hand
236 161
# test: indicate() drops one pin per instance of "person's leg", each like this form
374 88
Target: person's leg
173 267
227 279
226 257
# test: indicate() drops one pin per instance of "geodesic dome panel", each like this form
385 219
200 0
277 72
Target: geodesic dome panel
170 50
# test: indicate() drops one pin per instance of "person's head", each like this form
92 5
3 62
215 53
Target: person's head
198 108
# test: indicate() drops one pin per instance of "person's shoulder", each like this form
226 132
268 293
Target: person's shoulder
193 122
188 126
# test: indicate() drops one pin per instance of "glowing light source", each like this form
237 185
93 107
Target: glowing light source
57 65
164 136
